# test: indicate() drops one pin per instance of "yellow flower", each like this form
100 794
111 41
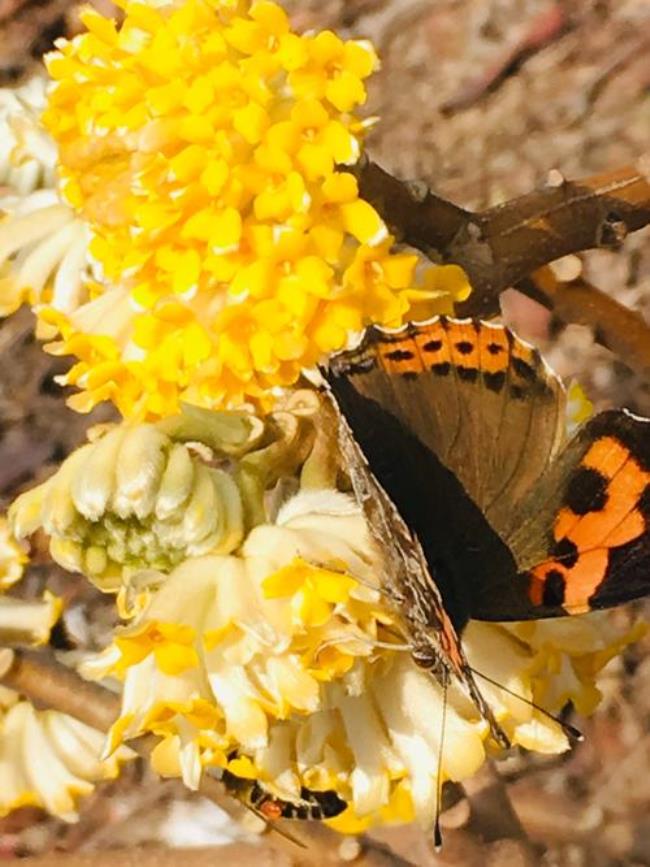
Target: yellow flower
48 760
314 592
203 143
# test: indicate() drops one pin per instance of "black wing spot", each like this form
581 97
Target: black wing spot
523 369
467 374
644 502
517 392
432 346
441 369
330 803
256 794
566 552
465 347
494 381
586 492
554 586
400 355
495 348
409 374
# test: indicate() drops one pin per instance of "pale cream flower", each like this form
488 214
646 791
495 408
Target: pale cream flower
28 621
43 253
27 153
280 655
12 556
43 245
22 621
48 759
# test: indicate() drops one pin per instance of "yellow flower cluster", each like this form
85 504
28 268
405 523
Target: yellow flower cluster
203 141
230 644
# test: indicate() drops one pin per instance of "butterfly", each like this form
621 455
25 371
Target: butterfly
453 435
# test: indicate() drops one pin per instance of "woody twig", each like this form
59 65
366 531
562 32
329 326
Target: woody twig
623 331
502 246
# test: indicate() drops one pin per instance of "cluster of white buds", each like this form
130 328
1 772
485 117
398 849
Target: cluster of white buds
148 496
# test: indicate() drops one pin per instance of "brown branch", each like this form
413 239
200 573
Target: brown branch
501 246
413 213
492 815
47 683
237 855
625 332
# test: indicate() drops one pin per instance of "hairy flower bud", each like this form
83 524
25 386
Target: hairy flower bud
134 499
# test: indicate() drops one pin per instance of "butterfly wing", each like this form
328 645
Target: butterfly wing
407 575
462 425
583 538
456 420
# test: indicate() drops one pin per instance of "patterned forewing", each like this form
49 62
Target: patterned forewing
478 397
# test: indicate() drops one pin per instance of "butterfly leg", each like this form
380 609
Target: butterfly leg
427 655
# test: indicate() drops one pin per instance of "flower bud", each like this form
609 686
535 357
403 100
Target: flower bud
132 500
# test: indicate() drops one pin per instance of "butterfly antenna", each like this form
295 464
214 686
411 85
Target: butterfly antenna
437 833
570 731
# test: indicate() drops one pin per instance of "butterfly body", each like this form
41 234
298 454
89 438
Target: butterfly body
453 433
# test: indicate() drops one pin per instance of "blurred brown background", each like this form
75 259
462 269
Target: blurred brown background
481 99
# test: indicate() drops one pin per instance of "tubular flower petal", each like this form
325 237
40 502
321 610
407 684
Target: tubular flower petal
33 740
43 244
134 499
287 655
12 556
27 153
28 622
43 253
203 142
